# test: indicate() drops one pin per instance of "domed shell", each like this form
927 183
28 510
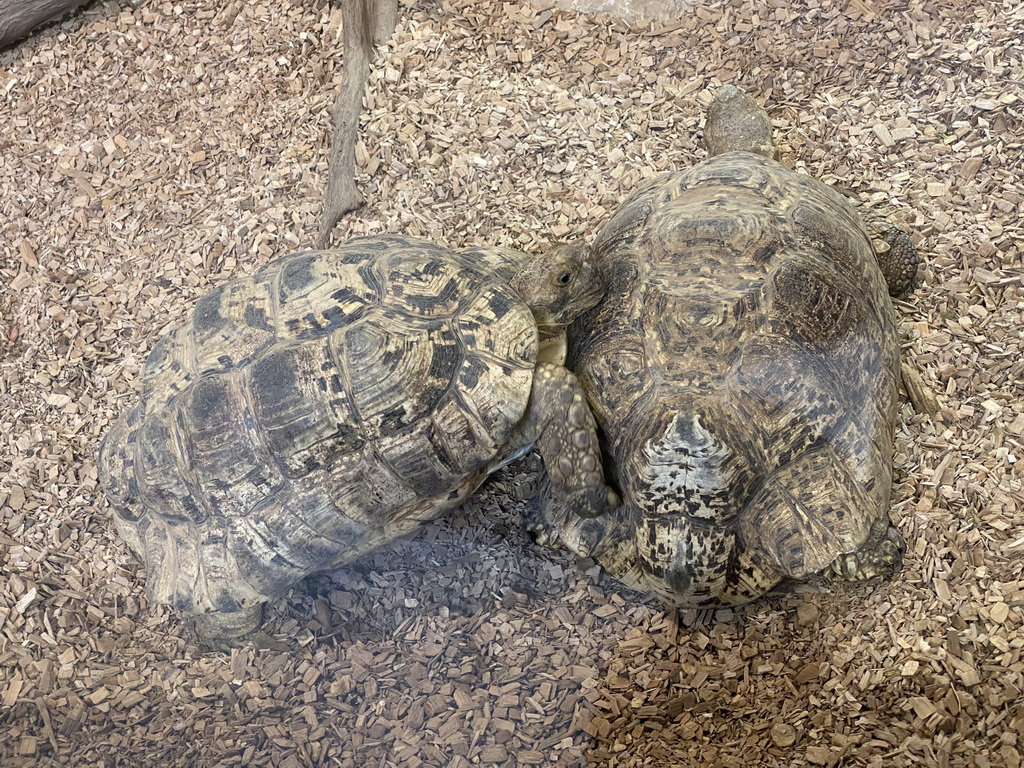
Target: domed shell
742 368
304 415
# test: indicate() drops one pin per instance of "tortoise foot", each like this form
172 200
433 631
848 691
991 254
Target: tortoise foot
581 535
225 630
880 555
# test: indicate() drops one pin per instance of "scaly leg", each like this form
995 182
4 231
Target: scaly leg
882 552
894 251
575 506
561 428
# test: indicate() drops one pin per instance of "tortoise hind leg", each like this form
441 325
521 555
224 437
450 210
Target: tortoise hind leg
223 630
895 253
881 553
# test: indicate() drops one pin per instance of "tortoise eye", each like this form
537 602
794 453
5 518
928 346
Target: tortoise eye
564 279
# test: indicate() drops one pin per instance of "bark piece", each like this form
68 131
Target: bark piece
921 396
19 17
367 23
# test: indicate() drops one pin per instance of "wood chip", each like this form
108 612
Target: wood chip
783 735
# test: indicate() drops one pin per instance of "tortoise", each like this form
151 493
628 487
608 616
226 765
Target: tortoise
333 400
742 368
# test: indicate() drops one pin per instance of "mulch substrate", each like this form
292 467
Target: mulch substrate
149 151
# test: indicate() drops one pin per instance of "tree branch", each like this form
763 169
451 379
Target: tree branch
366 23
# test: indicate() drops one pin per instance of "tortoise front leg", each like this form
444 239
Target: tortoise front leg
895 252
575 505
559 425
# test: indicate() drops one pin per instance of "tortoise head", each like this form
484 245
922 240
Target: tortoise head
559 286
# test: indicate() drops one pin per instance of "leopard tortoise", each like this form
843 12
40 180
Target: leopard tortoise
334 400
742 369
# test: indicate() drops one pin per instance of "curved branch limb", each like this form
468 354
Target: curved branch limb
19 17
366 23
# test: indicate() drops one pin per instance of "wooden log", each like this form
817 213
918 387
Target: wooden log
366 24
19 17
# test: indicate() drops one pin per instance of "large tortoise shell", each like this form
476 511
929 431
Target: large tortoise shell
742 368
308 413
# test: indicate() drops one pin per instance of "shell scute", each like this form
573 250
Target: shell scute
496 323
225 457
170 368
420 458
389 373
367 490
230 324
160 472
300 407
319 293
433 289
470 444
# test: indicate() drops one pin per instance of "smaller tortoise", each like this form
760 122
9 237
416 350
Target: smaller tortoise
334 400
742 369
